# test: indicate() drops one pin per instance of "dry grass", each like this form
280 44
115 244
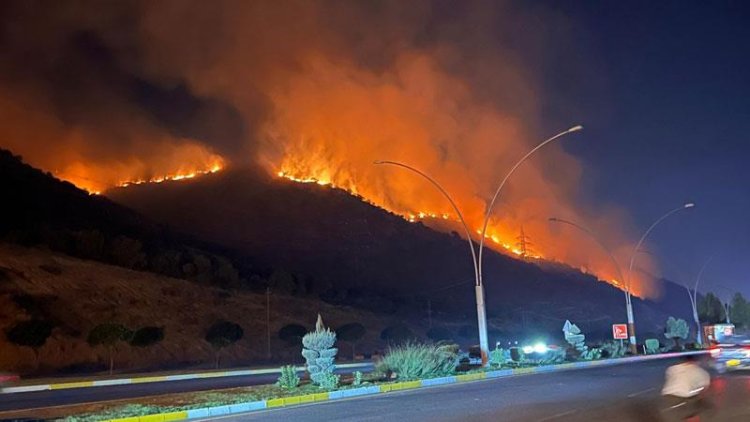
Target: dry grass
79 294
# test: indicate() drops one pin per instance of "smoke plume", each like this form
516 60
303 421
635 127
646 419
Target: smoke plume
105 93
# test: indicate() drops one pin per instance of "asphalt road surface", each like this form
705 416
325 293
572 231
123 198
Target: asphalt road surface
619 393
40 399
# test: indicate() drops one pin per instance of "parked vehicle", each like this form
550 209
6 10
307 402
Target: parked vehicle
6 379
733 352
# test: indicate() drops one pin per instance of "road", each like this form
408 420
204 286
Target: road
617 393
39 399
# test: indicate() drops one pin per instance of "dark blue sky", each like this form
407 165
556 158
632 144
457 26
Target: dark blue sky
663 89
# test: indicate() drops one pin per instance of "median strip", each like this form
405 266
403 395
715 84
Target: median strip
386 388
161 378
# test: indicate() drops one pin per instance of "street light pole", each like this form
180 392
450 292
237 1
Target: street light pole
488 213
629 301
727 307
478 288
628 305
694 301
479 285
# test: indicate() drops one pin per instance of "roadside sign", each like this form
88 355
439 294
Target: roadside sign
620 331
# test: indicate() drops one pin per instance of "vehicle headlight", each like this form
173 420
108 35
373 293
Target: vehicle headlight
528 349
540 348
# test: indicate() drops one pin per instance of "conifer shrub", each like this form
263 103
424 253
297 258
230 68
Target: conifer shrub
320 354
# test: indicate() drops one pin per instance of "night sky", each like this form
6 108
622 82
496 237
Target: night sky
663 90
660 87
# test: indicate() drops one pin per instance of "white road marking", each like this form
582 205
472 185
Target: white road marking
638 393
558 415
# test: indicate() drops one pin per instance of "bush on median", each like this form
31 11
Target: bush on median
414 361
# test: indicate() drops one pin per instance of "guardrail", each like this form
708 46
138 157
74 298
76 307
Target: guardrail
159 378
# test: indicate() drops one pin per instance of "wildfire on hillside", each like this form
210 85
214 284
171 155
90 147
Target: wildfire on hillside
95 180
313 109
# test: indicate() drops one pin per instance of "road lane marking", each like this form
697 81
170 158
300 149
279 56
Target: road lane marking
638 393
558 415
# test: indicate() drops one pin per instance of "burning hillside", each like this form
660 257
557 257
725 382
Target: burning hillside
144 100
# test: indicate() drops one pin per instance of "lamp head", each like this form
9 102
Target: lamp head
689 205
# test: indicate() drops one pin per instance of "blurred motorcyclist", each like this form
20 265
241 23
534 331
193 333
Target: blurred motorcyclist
682 390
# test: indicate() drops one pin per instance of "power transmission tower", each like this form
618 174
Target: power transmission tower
524 244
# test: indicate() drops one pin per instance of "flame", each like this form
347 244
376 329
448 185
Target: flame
215 168
417 216
94 178
434 218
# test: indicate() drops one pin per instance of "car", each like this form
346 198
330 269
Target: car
732 353
6 379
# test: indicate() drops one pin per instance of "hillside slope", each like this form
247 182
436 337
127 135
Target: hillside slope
78 294
342 241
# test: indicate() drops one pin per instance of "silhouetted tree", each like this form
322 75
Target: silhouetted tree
33 334
397 334
351 333
710 309
223 334
740 311
108 335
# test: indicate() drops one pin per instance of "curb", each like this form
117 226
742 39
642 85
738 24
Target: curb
160 378
207 412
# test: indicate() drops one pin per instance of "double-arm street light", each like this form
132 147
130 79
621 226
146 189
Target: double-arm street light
694 300
628 306
477 262
631 321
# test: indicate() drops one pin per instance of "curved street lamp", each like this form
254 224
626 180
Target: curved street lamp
694 301
478 290
596 239
631 321
611 257
479 285
488 213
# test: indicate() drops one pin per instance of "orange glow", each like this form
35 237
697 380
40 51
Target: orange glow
94 178
215 168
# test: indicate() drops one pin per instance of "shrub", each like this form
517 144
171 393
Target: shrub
329 380
516 354
613 349
289 378
33 334
554 356
108 335
319 354
414 360
676 329
499 357
357 378
223 334
127 252
147 336
652 346
351 333
292 334
397 334
576 339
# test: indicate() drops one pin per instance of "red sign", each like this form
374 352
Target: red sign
620 331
